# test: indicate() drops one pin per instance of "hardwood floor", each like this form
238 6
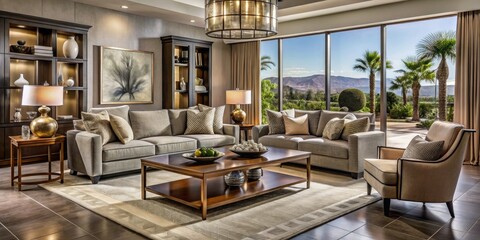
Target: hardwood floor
39 214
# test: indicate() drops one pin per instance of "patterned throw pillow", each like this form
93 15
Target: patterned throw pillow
218 118
420 148
200 122
276 125
121 128
296 126
355 126
333 129
99 123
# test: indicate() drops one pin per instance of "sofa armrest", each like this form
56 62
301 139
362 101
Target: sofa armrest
259 131
232 130
363 145
84 152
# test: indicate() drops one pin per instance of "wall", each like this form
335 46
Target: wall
118 29
407 10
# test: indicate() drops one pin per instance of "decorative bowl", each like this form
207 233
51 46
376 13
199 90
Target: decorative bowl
191 156
249 153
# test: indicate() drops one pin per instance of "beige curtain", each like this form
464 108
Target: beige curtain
246 76
467 78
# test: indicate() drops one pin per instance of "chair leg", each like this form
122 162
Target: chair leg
450 209
369 189
95 180
386 207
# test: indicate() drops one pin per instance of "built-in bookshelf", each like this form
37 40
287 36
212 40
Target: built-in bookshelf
186 69
33 47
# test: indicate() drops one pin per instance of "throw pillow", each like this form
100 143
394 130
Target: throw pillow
121 128
355 126
217 119
276 124
99 123
313 117
150 123
420 148
78 125
333 128
200 122
178 119
296 126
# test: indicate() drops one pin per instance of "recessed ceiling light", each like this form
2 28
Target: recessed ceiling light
192 21
124 6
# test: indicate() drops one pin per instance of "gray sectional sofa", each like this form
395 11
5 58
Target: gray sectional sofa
87 155
341 155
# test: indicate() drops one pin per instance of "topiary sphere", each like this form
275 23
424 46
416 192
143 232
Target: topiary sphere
352 98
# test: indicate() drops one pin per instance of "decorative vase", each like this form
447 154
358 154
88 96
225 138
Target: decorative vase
17 116
70 48
234 179
254 174
21 81
70 82
183 85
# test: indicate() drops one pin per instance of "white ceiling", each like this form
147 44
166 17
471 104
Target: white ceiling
184 11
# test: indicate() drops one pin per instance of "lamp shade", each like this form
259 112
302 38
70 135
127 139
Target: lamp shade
239 97
42 95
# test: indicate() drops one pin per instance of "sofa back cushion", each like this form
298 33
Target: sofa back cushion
178 120
218 117
313 118
121 111
325 116
150 123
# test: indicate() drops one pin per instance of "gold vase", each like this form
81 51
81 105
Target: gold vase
44 126
238 115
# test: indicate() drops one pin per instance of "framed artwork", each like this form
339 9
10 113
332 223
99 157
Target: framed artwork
126 76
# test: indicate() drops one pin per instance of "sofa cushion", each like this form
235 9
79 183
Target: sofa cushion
200 122
325 147
178 120
313 117
217 118
419 148
283 141
444 131
355 126
333 129
296 126
212 140
99 123
171 144
325 116
384 170
121 111
121 128
276 124
133 149
150 123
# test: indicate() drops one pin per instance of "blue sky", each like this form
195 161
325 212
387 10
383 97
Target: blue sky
304 56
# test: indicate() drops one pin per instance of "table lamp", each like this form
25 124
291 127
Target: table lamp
238 97
43 96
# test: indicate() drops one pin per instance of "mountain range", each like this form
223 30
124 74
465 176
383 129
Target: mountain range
339 83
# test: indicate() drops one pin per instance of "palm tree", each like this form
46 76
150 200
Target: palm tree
370 63
266 63
404 83
439 45
417 70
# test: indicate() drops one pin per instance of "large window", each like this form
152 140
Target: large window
304 72
269 76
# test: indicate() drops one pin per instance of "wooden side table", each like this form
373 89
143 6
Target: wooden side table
245 128
19 143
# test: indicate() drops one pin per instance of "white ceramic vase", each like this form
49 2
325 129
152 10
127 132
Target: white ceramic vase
21 81
70 82
70 48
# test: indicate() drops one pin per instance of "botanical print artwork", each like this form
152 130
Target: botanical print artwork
126 76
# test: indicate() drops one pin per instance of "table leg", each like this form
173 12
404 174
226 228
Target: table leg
19 168
12 165
144 180
62 161
49 155
245 133
203 197
308 172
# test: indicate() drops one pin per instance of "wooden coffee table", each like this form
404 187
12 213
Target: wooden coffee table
206 188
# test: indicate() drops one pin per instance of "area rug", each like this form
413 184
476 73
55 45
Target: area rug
277 215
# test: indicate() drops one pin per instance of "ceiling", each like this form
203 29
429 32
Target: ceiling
192 11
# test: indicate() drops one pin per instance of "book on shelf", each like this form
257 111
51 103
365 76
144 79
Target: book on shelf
64 116
43 54
43 51
199 59
39 47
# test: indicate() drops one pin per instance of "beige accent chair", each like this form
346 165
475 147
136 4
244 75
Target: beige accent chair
419 180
